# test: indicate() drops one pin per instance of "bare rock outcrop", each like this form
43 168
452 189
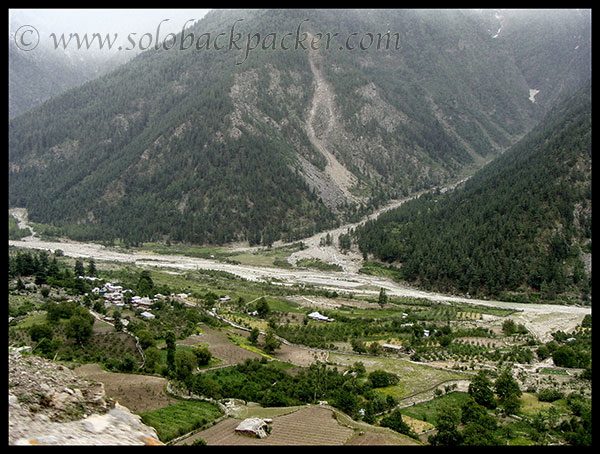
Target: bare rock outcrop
254 427
49 405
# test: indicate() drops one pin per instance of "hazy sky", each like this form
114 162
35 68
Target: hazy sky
122 21
114 22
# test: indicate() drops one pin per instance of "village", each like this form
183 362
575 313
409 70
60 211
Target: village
115 296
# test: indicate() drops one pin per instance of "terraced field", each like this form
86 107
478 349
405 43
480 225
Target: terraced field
307 426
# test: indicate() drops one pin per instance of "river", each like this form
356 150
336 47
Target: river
541 319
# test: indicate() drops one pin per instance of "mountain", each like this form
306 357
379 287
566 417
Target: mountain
36 75
520 224
250 127
547 45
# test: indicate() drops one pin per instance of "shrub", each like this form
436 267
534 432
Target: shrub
381 378
549 395
395 422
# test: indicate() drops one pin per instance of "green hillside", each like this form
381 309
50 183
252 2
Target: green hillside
522 223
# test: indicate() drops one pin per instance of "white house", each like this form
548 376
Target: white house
113 288
147 315
115 296
145 301
319 317
396 348
89 278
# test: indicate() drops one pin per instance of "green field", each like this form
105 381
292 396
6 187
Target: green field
413 378
178 419
427 411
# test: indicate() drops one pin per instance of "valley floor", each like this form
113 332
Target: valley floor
540 319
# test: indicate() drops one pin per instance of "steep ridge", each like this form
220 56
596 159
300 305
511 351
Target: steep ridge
521 224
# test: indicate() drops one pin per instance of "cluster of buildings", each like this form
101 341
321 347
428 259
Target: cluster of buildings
115 296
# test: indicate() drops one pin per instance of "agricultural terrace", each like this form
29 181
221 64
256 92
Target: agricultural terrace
219 336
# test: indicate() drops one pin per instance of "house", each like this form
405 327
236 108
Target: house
319 317
115 296
225 298
113 288
147 315
89 278
394 348
145 301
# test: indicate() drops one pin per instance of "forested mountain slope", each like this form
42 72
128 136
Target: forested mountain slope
521 223
212 146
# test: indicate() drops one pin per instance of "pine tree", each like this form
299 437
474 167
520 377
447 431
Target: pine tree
383 299
79 270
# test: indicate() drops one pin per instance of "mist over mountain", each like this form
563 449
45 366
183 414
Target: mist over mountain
38 74
249 127
55 63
